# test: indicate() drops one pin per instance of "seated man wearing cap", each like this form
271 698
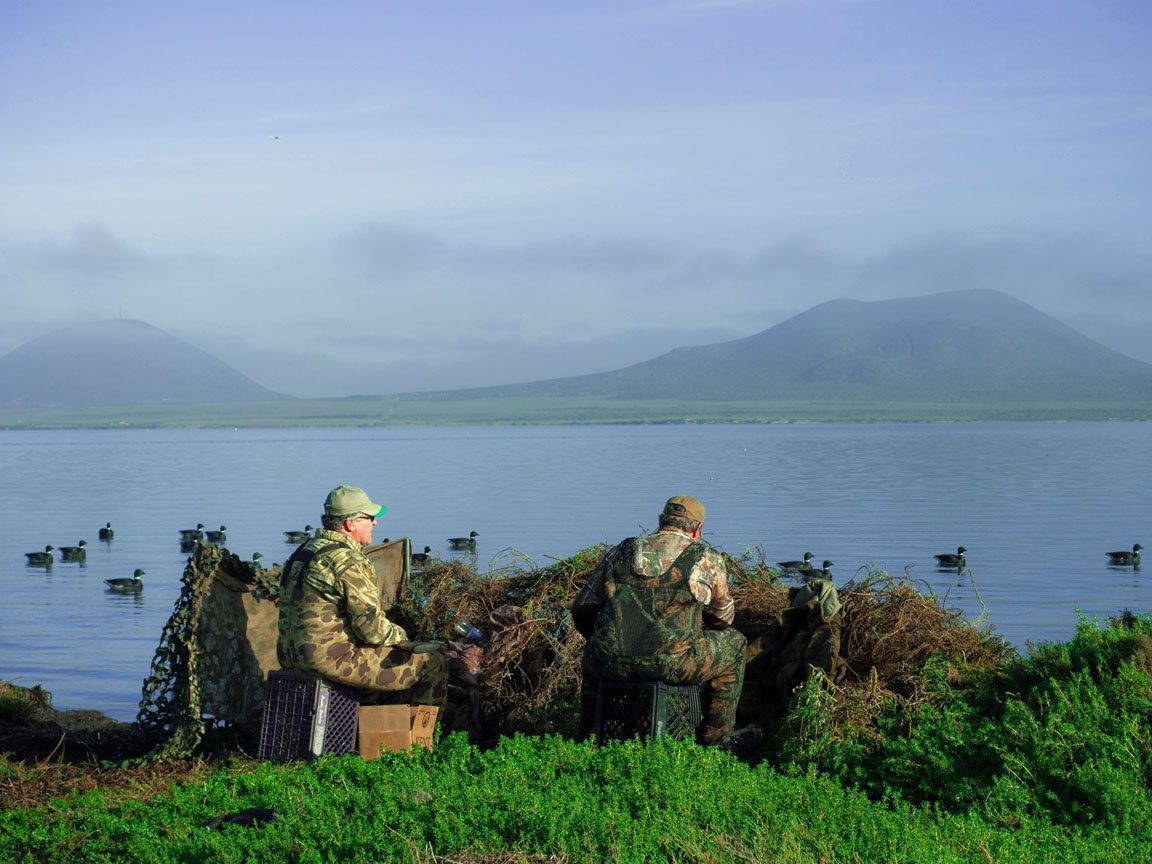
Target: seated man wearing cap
331 623
657 608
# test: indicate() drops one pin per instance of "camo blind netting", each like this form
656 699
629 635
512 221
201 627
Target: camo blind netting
218 646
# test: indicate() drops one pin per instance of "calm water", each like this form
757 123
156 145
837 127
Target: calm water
1036 505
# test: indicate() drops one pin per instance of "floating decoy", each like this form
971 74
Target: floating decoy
1132 557
950 560
121 584
106 532
191 535
299 536
468 542
74 553
216 536
806 564
40 558
421 558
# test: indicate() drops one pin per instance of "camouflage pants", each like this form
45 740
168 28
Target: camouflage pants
715 659
388 673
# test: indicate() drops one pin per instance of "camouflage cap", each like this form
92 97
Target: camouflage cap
684 506
351 501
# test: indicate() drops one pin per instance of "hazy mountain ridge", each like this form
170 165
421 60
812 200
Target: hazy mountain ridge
954 346
119 362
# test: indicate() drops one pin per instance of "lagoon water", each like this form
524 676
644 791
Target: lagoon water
1037 506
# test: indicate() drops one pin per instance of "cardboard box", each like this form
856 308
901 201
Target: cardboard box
392 728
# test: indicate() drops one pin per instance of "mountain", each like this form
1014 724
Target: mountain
957 346
118 362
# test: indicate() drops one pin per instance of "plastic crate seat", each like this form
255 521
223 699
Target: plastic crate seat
646 710
306 716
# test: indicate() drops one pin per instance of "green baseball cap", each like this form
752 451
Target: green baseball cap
351 501
686 507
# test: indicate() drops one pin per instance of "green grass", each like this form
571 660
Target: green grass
1047 758
415 409
626 803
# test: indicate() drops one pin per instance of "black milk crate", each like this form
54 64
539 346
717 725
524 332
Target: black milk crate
306 716
646 710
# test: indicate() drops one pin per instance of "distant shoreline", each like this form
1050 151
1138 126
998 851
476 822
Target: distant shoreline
412 410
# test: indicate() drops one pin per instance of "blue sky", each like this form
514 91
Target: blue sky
379 196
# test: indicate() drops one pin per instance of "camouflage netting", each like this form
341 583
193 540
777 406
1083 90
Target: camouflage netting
214 652
524 673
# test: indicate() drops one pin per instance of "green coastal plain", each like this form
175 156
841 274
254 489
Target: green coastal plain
431 410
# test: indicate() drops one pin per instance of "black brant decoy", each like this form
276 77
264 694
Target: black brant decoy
1132 557
191 535
468 542
74 553
40 558
818 573
950 560
419 559
299 536
216 536
121 584
106 532
806 564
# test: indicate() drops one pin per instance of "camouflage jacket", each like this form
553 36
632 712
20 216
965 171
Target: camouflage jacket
650 558
339 583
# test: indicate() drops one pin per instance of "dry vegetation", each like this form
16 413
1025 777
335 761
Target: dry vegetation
531 670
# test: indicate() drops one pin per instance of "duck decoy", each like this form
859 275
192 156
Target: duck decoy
121 584
419 559
299 536
74 553
818 572
806 564
106 532
191 535
949 560
1132 557
216 536
40 559
468 542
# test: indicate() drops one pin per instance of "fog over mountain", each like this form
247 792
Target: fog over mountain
948 347
952 347
118 362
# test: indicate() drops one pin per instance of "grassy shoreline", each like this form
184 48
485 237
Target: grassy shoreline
416 410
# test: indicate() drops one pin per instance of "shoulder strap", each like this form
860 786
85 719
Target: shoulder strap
304 557
689 558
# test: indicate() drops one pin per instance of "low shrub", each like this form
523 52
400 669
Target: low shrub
1062 734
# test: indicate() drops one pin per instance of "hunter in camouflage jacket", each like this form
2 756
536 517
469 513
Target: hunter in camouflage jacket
658 608
331 624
